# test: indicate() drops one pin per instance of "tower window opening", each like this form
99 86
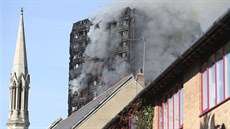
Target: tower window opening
125 22
84 44
124 54
75 36
124 44
124 34
84 33
76 66
74 57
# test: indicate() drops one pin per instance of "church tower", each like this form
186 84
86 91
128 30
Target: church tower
19 84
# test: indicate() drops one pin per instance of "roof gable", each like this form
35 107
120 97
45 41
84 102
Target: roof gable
86 111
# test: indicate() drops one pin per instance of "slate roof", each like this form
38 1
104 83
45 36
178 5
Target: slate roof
83 113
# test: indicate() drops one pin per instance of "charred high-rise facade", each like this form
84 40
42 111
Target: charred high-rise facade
128 41
78 42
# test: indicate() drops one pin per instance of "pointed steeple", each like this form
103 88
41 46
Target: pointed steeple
20 59
19 84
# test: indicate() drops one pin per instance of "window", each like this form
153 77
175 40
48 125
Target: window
215 75
76 66
124 34
75 46
181 118
171 111
79 55
227 69
204 88
170 102
75 36
74 57
84 44
114 24
124 54
219 74
83 33
160 124
176 111
211 82
125 22
124 44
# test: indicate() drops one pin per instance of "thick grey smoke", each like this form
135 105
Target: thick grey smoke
98 55
168 27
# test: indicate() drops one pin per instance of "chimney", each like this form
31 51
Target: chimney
140 78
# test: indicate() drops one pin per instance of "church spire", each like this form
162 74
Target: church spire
19 84
20 59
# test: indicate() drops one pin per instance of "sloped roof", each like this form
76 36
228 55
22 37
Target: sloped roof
212 39
83 113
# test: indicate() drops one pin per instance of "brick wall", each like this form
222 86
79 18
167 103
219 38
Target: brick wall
221 116
192 105
192 102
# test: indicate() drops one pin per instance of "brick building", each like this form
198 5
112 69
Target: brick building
192 93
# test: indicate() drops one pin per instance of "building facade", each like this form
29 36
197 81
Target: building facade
78 42
79 39
19 84
192 93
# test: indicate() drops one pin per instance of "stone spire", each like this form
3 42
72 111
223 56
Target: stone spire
19 84
20 59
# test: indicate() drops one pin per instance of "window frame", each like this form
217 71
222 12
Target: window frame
169 99
206 70
227 70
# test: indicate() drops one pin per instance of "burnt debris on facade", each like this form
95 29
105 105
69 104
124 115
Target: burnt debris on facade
78 42
125 29
79 39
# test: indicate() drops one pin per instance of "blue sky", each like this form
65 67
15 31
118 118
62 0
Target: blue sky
47 28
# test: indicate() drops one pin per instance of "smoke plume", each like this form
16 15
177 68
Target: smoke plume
168 28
